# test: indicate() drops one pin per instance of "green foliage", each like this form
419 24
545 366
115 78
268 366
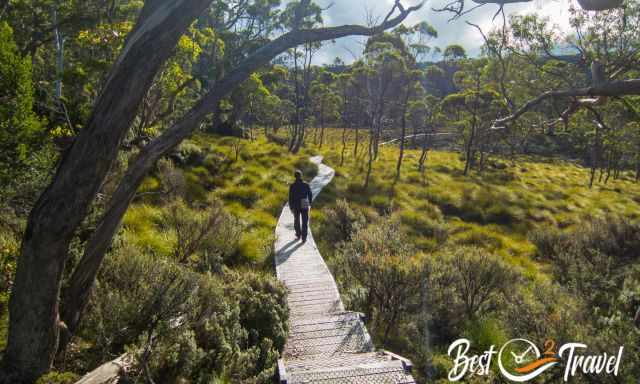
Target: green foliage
485 333
341 222
383 264
58 378
21 131
246 195
597 265
204 326
466 284
232 333
454 52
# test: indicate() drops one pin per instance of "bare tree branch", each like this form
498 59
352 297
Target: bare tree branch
610 89
82 279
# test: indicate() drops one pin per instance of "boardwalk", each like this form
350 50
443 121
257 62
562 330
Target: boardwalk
326 344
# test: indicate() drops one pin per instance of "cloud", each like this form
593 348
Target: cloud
449 32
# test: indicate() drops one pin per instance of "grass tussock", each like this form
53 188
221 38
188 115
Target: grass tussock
549 257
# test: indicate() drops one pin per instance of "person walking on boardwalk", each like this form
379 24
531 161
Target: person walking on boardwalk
299 202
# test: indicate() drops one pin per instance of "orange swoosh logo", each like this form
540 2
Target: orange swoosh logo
532 366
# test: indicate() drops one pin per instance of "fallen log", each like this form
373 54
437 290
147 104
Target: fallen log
110 372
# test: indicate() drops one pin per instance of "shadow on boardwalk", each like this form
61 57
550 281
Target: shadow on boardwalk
326 344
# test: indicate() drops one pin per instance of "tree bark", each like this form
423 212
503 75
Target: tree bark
611 88
33 325
356 143
474 127
321 131
595 156
344 145
81 282
403 132
369 162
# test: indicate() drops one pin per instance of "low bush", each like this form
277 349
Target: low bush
465 284
381 261
58 378
341 222
189 153
185 326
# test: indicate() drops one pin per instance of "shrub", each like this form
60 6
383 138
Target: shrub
465 284
341 221
21 131
253 247
233 333
149 184
202 175
263 307
190 153
194 190
486 332
216 162
58 378
135 292
381 260
204 236
185 326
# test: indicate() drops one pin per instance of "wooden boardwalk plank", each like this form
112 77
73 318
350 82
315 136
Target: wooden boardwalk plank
326 343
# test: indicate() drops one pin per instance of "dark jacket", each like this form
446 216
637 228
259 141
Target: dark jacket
298 191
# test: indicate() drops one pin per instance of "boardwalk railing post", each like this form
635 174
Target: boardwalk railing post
282 373
406 363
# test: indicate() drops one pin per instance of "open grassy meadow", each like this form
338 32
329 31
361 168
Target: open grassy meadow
248 178
497 209
551 243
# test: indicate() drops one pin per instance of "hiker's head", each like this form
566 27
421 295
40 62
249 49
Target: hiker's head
298 174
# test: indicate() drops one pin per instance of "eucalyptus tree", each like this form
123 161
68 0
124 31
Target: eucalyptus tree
424 117
415 48
417 39
473 109
607 46
34 325
349 110
454 52
325 102
301 14
66 71
383 67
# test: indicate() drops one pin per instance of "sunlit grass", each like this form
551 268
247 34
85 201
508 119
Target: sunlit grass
495 210
249 178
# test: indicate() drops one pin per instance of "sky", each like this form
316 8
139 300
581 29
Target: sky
449 32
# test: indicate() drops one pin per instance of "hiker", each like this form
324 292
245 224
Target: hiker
299 202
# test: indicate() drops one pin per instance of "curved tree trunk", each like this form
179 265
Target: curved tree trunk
78 293
33 326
